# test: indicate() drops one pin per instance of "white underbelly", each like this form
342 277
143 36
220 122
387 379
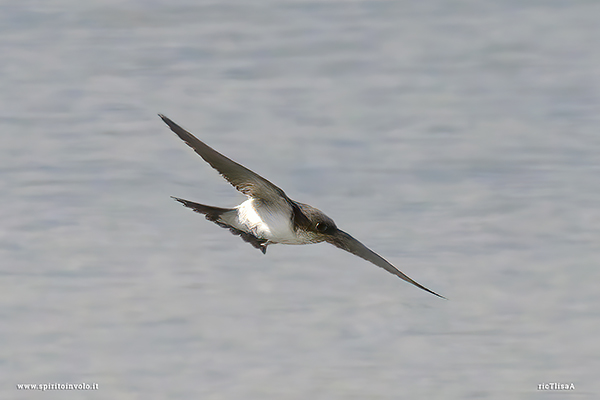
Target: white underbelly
273 222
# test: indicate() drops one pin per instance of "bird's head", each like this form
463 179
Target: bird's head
314 222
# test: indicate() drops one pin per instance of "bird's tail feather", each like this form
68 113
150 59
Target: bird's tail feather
221 216
212 213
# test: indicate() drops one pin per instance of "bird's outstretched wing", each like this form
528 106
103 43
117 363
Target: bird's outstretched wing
249 183
346 242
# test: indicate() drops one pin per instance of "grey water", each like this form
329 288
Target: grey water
460 140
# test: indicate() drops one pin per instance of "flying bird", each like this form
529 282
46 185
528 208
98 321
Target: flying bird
269 216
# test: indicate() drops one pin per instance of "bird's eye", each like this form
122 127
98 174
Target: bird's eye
321 227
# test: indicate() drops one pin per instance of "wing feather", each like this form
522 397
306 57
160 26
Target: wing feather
246 181
346 242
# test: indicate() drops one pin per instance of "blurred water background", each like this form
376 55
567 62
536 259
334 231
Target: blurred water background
460 140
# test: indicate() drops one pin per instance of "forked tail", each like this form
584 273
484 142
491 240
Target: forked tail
219 217
212 213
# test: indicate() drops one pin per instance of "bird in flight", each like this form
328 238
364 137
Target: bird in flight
269 216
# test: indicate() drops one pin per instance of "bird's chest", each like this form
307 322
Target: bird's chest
272 222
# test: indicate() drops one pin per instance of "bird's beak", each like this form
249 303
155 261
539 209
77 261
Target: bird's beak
346 242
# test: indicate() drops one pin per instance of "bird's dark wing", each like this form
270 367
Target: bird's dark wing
346 242
249 183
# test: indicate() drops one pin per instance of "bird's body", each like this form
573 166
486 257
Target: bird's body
269 216
270 221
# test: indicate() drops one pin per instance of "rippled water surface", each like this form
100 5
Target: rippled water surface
460 140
